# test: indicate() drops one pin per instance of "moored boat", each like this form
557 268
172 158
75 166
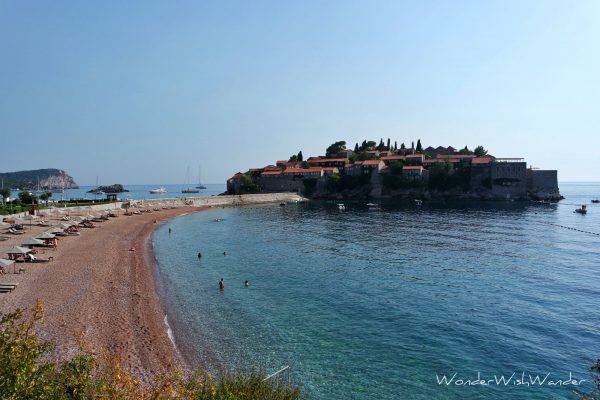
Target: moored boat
159 190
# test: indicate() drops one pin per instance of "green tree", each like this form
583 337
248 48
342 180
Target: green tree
5 194
247 185
300 156
293 158
480 151
27 198
370 145
465 151
45 197
402 146
395 145
335 148
419 148
356 148
388 144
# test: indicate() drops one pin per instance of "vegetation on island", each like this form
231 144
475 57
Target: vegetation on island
27 373
116 188
47 178
349 172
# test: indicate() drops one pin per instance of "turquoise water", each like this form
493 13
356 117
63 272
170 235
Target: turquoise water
380 304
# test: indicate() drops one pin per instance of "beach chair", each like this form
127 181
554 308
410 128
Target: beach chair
34 259
7 287
13 231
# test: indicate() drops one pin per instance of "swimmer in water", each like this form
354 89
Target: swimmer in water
221 284
224 253
199 255
246 283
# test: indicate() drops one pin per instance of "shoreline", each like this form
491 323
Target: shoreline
99 295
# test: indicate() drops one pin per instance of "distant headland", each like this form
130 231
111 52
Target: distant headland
386 170
42 179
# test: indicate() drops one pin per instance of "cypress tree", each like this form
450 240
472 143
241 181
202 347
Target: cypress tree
356 148
300 156
419 148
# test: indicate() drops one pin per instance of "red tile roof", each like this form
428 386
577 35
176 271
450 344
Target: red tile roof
324 160
272 168
415 156
271 173
455 156
388 158
302 170
481 160
368 162
236 176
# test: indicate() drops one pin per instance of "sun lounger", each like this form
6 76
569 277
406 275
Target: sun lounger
34 259
7 287
14 231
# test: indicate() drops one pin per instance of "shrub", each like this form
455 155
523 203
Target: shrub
25 373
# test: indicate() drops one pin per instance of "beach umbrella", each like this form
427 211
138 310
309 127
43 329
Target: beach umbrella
33 242
16 250
55 229
7 263
30 217
45 235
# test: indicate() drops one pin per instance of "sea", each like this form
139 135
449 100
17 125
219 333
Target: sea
135 192
448 300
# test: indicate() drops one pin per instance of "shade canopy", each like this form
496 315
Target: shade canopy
6 263
45 235
32 242
18 250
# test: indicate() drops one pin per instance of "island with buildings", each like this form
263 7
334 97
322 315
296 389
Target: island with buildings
372 170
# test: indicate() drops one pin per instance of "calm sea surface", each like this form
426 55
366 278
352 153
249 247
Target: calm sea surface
380 304
138 192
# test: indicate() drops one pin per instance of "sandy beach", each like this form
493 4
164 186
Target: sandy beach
97 287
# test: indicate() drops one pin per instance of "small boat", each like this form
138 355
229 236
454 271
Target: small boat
418 202
596 201
341 207
373 207
159 190
582 210
200 185
186 181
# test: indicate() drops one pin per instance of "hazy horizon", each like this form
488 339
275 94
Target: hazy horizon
139 91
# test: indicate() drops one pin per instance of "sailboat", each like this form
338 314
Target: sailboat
188 189
200 185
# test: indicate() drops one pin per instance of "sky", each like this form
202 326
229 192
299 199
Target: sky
136 92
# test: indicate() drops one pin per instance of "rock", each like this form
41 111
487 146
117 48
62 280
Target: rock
116 188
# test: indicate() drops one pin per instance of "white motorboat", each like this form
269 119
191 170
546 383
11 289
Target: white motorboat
159 190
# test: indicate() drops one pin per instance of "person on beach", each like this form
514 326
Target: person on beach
246 284
221 284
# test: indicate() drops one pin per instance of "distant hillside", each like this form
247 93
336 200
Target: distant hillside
48 178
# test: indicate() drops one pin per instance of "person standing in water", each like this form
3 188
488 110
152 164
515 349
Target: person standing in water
221 284
169 231
246 283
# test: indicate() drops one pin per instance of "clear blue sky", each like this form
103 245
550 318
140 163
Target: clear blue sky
135 91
